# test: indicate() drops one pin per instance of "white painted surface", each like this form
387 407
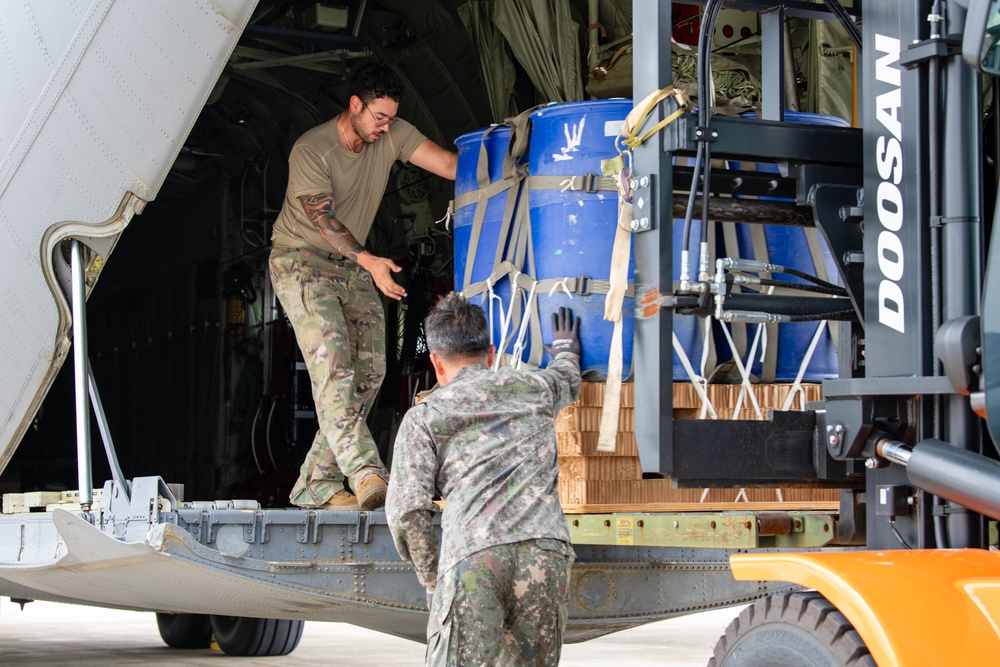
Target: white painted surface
98 98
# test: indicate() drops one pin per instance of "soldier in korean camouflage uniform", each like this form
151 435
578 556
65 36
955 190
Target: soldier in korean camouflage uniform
485 441
326 280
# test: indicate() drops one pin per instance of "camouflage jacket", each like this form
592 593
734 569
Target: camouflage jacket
486 443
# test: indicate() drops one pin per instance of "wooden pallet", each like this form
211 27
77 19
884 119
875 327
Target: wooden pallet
592 479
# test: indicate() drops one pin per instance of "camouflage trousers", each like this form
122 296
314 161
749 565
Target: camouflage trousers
339 324
504 605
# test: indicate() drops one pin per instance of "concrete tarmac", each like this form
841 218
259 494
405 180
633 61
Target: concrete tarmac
58 635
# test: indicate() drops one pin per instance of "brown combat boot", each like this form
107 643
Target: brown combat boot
342 501
371 492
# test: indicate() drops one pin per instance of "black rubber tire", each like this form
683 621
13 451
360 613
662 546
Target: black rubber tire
185 630
791 630
237 635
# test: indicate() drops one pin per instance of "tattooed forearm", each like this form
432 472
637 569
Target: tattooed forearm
319 209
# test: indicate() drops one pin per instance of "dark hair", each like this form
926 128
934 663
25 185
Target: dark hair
375 80
456 328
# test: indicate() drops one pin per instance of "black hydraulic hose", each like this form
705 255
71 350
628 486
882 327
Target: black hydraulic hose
813 279
705 193
836 316
689 215
817 289
781 304
705 60
705 100
852 28
775 268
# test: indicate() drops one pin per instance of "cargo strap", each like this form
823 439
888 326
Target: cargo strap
520 317
697 381
480 197
632 140
746 387
619 171
819 263
589 183
769 343
608 434
797 385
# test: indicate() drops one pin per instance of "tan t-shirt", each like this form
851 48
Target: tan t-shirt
320 163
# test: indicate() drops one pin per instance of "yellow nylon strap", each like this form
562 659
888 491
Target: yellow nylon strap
613 302
633 141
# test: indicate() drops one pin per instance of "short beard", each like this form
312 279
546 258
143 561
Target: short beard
365 136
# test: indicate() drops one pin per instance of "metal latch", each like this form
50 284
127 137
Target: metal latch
361 529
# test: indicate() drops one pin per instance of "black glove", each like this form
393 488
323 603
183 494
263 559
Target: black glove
565 332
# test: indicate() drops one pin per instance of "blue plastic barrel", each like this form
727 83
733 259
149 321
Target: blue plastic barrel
805 117
573 232
788 246
495 140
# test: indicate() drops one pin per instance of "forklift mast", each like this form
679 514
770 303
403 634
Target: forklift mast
900 203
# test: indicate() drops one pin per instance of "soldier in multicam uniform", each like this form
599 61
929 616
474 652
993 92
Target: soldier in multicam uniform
485 441
326 279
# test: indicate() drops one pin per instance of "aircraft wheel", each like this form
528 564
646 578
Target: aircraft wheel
184 630
237 635
791 630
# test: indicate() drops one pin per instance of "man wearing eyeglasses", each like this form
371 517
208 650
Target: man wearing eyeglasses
326 279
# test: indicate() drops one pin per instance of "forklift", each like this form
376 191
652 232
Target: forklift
906 203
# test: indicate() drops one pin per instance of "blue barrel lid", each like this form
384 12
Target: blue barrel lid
806 117
498 130
574 108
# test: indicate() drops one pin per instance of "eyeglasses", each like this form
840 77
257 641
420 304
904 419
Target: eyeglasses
379 119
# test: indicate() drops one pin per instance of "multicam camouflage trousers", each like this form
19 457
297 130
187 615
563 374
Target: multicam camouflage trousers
504 605
339 324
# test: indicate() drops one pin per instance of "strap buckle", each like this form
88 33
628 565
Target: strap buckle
589 183
581 285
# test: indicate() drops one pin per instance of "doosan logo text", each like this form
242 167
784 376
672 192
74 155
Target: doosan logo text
888 198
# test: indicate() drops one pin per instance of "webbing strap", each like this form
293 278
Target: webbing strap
483 161
744 380
613 302
578 285
710 358
474 234
797 385
483 194
819 265
481 198
696 380
732 245
769 366
621 252
578 183
632 140
524 255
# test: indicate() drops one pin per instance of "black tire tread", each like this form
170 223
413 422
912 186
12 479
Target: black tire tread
244 636
185 631
808 610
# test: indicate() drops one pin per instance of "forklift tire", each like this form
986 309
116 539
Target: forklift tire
244 636
184 630
792 630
